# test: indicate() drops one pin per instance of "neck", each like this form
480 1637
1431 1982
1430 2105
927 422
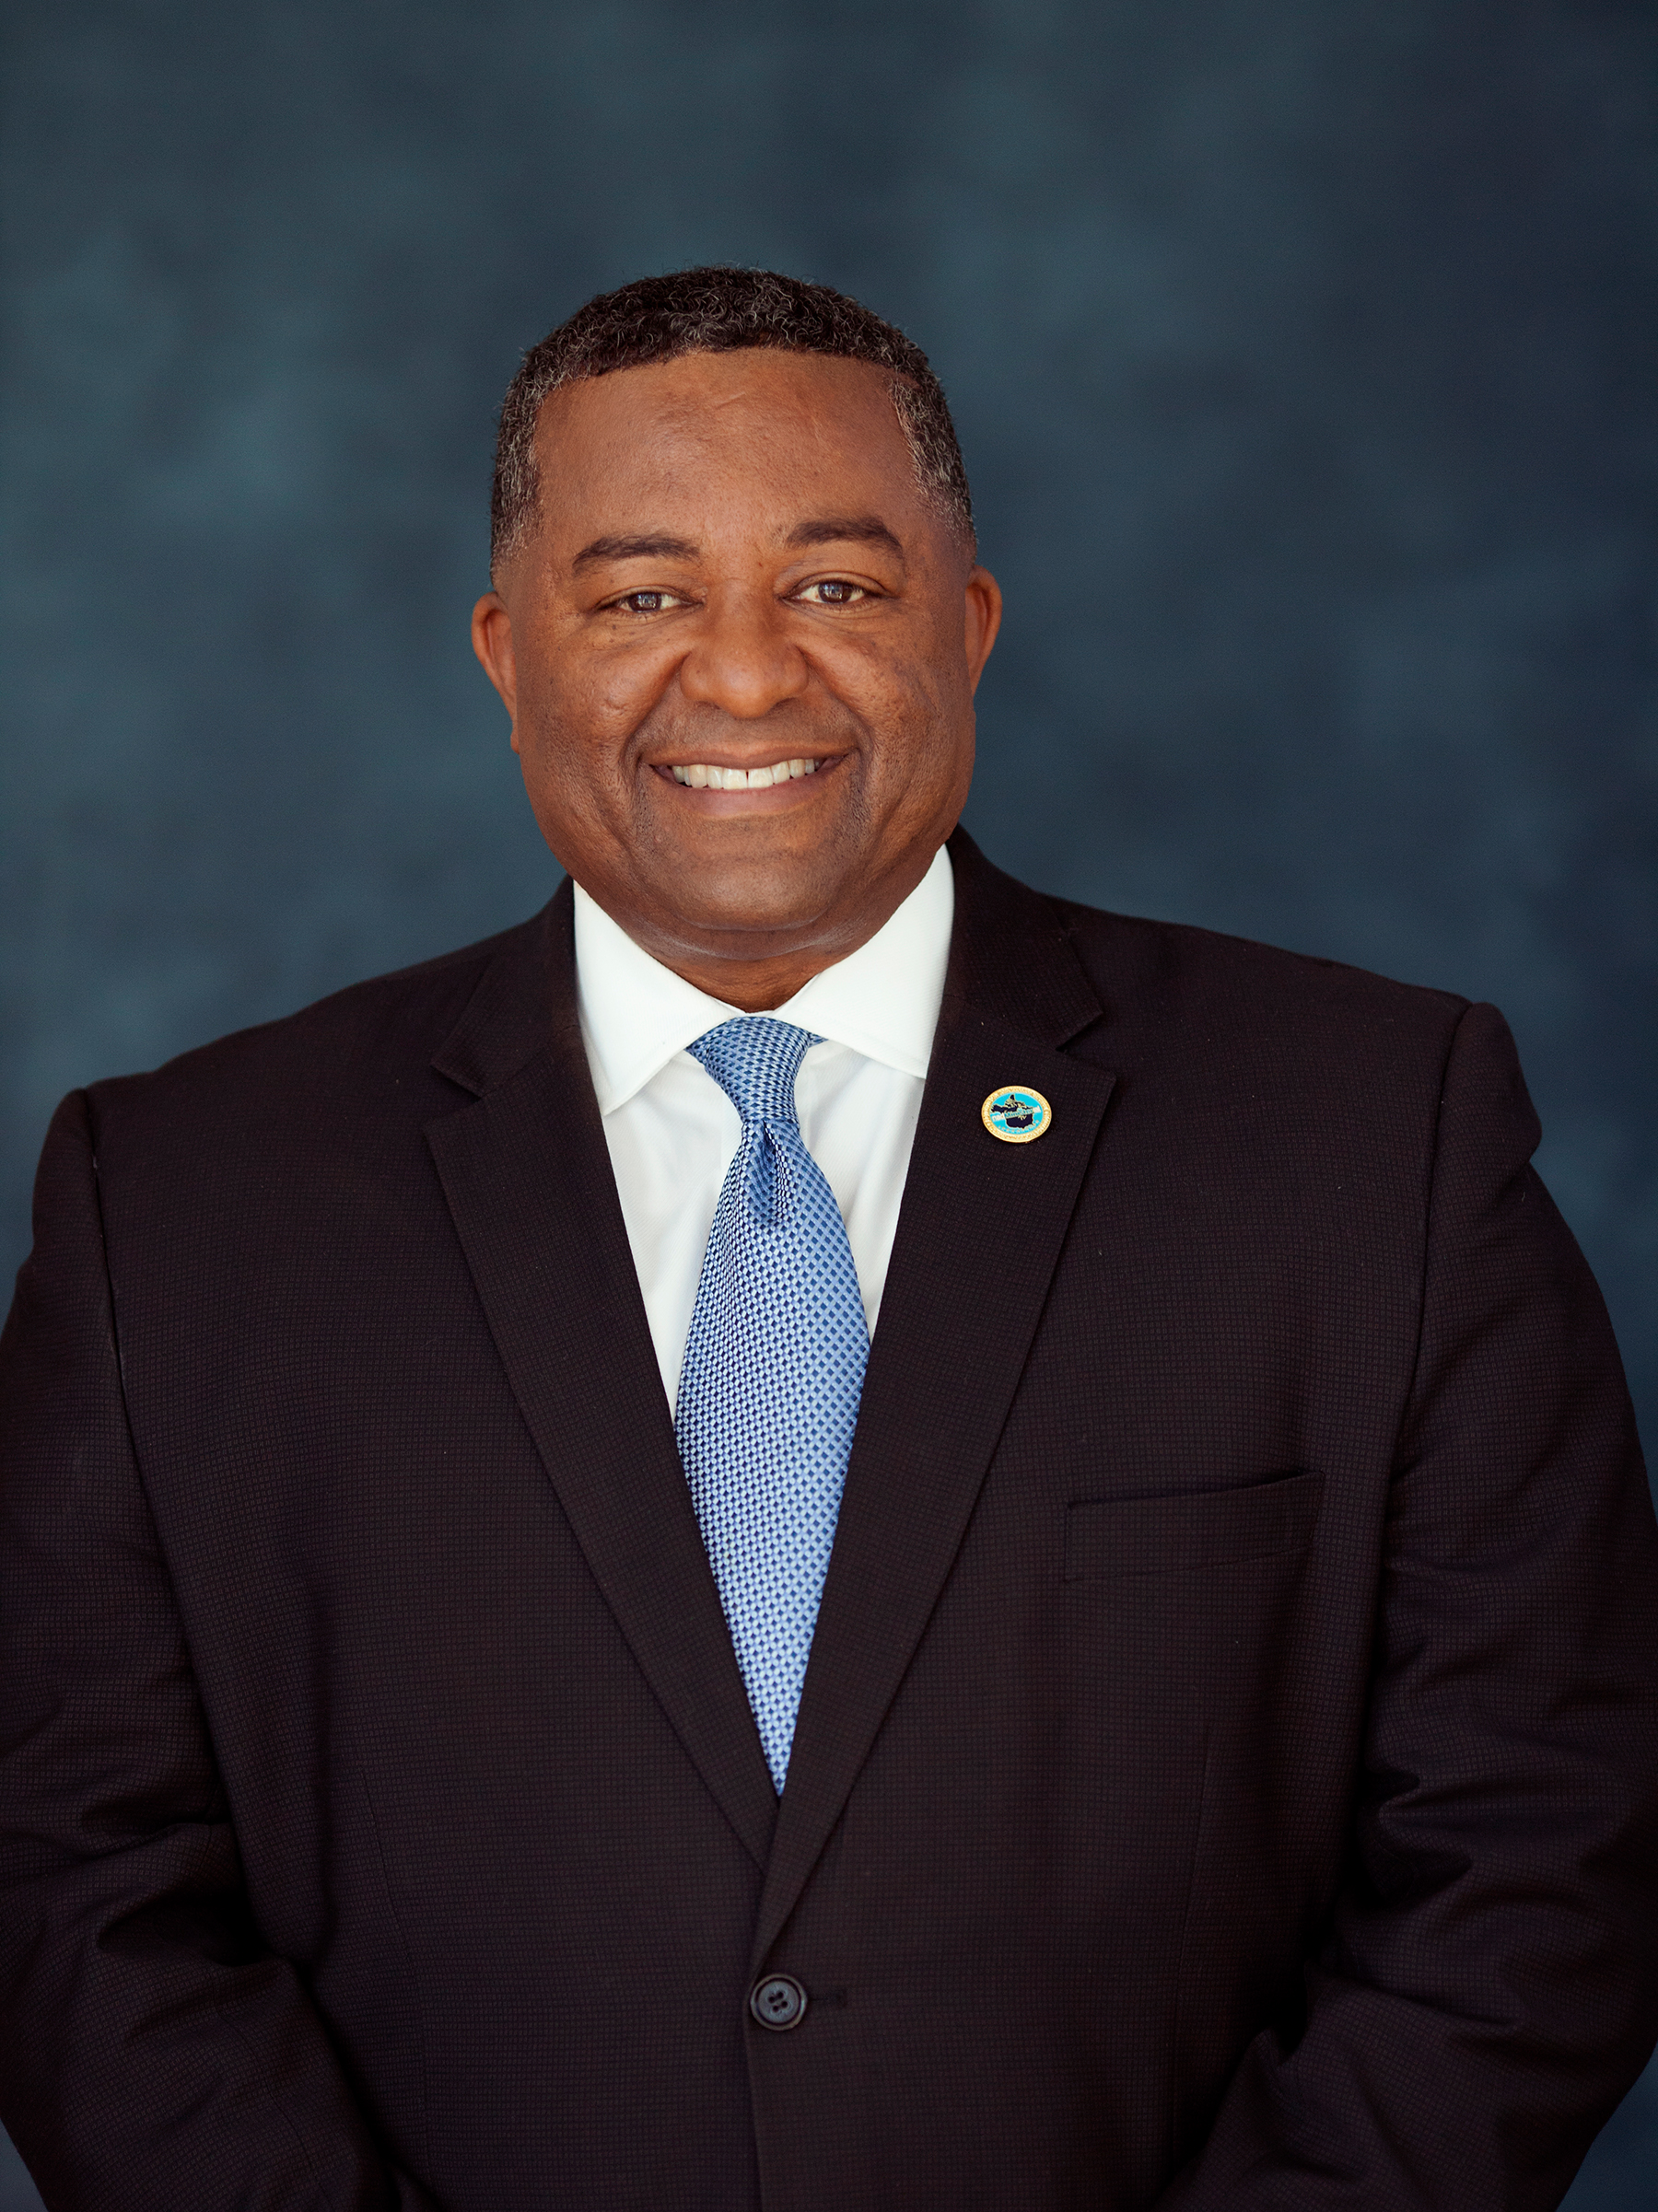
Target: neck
757 986
732 969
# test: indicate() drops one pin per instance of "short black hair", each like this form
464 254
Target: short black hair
714 311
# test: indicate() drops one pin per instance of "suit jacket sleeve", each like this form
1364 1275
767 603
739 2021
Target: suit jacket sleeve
153 2053
1487 1987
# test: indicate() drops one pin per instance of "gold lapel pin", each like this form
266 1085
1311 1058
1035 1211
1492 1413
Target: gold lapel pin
1017 1114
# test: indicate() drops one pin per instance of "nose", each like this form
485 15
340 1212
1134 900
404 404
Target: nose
743 661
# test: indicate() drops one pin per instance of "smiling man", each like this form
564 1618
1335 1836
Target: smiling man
745 716
818 1532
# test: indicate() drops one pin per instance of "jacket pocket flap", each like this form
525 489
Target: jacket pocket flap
1202 1528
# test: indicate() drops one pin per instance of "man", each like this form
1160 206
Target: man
1137 1370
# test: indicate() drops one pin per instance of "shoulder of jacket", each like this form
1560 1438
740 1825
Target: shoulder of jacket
1178 960
387 1024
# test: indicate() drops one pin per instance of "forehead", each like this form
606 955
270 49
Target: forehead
758 427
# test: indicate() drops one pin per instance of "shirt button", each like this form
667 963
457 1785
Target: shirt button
778 2002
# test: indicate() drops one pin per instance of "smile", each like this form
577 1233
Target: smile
701 778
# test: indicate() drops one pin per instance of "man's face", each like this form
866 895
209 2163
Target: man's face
733 568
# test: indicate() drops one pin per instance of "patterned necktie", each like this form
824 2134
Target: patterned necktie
772 1373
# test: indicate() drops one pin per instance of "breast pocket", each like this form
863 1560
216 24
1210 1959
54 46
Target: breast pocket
1108 1538
1184 1619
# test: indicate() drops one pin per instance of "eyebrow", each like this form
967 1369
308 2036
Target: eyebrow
823 529
652 548
868 529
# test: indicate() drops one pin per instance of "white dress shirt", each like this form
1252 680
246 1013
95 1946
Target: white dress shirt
672 1132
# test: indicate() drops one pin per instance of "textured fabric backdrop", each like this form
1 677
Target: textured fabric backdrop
1301 356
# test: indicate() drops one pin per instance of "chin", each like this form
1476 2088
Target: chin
771 897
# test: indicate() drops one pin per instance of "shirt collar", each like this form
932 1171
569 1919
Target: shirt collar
882 1000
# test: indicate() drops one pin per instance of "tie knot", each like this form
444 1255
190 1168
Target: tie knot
754 1060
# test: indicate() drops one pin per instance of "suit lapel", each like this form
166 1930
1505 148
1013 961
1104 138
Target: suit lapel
527 1174
978 1239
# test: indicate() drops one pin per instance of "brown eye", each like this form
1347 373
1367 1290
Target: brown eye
644 602
834 591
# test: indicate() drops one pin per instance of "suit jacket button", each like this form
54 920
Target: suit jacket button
778 2002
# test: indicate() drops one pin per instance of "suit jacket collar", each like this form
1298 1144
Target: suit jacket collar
526 1175
520 1005
1009 959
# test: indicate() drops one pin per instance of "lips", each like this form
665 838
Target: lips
702 776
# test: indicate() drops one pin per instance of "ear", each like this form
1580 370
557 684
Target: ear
984 612
492 642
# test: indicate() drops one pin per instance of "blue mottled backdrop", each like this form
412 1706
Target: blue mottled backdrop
1302 354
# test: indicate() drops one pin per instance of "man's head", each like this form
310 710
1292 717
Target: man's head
733 531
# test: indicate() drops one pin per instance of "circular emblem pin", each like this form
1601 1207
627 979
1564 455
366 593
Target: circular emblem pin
1017 1114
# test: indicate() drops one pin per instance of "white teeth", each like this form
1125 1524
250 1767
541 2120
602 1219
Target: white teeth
701 778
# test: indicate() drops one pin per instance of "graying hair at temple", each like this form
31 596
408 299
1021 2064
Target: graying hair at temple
720 310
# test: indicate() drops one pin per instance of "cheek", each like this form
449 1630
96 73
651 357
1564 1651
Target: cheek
598 701
934 760
572 718
901 689
928 708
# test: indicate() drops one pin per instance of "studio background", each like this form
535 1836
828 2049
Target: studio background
1301 355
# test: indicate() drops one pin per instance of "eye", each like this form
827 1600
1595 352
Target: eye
646 602
834 591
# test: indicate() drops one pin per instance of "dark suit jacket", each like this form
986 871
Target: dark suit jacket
1226 1774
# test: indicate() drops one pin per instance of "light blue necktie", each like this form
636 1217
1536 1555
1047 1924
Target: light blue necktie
772 1373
